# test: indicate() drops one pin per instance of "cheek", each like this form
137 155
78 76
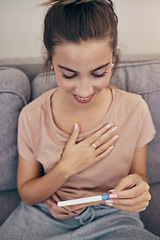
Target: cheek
103 83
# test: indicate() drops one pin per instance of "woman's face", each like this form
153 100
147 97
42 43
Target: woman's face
83 69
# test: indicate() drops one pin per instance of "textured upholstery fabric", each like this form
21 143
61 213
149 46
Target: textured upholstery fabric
144 79
9 200
14 94
151 216
41 83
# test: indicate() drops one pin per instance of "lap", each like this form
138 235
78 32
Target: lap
96 222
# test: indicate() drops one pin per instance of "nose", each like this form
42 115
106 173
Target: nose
84 88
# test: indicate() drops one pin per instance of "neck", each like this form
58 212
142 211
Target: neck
87 117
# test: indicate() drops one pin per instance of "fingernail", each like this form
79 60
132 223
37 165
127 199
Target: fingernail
112 190
113 195
114 129
75 126
115 137
110 148
108 125
109 203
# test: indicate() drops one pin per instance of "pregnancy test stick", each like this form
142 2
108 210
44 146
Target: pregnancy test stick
83 200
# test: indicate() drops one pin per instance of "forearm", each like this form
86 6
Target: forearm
40 189
139 163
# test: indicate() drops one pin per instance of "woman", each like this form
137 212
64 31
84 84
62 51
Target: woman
88 137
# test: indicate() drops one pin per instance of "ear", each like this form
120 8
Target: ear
52 62
46 52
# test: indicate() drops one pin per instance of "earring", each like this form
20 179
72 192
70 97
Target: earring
51 67
112 65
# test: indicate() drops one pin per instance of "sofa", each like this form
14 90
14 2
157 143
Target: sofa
22 80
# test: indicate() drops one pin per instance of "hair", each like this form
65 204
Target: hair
76 20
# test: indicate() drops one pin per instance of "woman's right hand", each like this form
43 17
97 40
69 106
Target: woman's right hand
35 188
80 156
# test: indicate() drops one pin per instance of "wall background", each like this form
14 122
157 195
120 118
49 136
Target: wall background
21 27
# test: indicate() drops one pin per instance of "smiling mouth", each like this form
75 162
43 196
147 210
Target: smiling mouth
83 100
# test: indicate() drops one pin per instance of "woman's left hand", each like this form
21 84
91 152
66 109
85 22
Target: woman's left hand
132 194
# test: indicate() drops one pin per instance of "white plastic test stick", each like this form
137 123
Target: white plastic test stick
83 200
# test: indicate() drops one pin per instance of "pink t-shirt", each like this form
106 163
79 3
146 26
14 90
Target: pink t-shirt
39 139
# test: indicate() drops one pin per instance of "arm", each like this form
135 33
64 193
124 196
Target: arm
133 191
34 188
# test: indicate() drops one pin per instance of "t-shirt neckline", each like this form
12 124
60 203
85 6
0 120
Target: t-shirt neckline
86 133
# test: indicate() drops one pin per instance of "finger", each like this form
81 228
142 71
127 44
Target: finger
105 146
145 197
104 154
105 137
98 134
125 183
132 181
135 191
131 205
134 208
73 138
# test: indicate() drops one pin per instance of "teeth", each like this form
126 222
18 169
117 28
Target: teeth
83 99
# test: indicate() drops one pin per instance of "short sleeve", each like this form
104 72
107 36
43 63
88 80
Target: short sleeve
147 129
24 138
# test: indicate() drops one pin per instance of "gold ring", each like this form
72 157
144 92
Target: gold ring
94 145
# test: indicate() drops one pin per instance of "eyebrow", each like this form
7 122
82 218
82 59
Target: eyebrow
105 65
70 70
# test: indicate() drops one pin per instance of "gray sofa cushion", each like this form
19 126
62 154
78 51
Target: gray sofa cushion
9 200
144 79
42 83
14 94
151 216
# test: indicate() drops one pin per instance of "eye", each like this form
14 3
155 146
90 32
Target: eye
99 75
68 77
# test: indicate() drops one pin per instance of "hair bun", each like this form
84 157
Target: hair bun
66 2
